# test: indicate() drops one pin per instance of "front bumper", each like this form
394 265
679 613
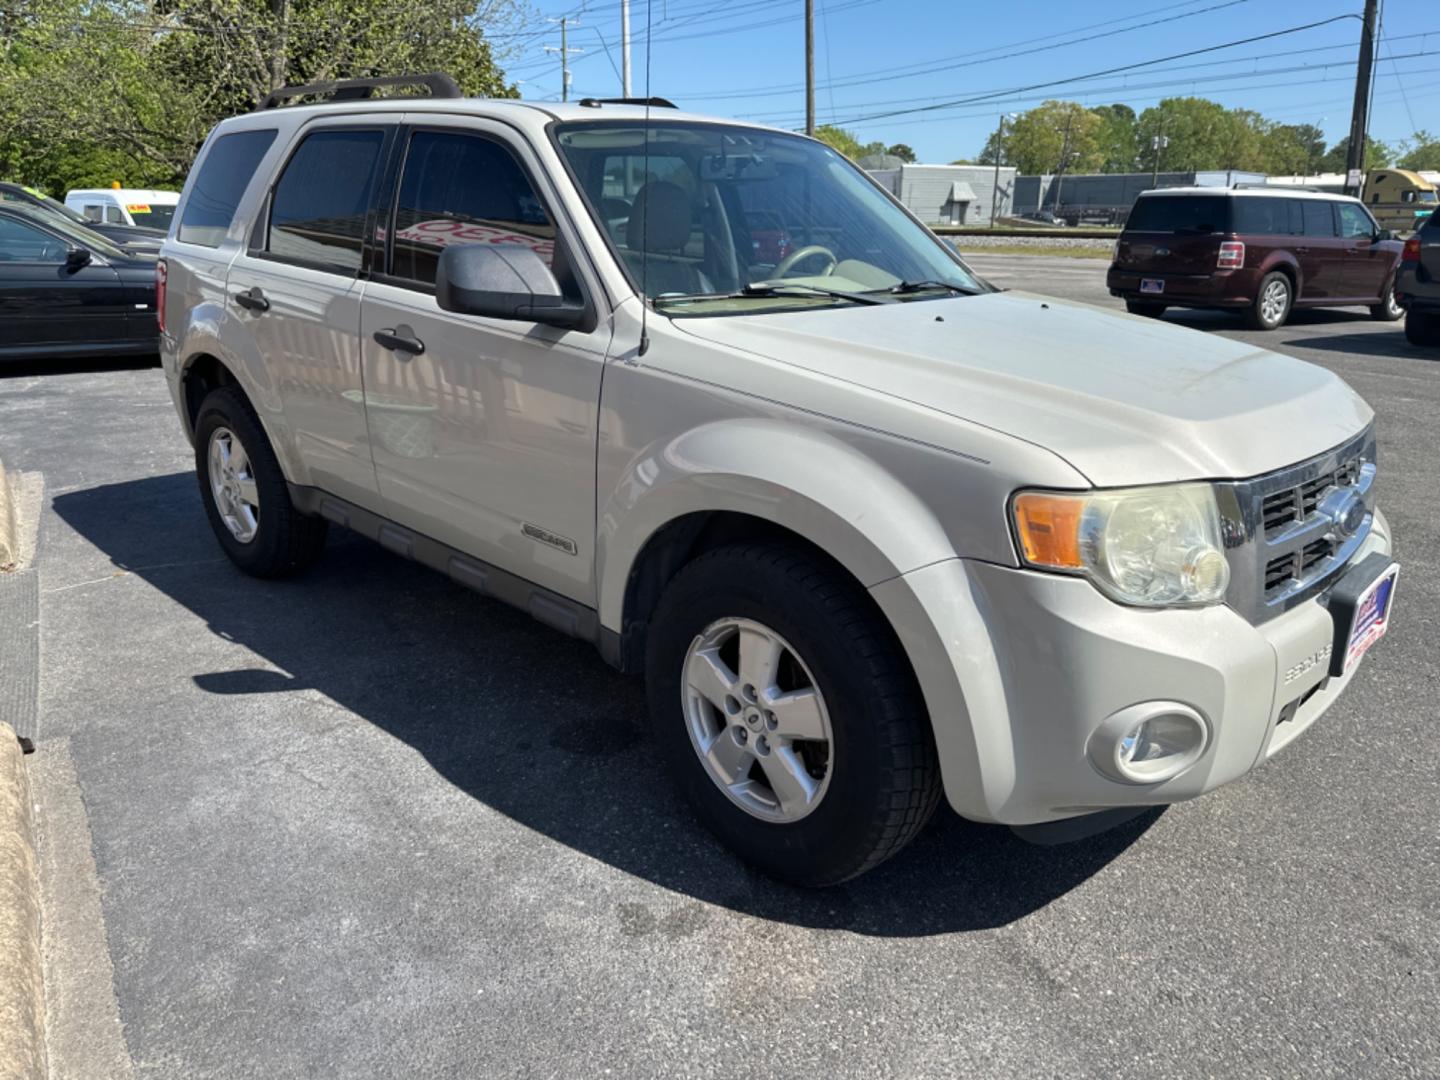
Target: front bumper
1019 668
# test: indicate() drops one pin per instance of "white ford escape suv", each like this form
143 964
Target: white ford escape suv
705 395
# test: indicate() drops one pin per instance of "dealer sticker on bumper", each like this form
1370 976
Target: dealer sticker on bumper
1372 615
1155 286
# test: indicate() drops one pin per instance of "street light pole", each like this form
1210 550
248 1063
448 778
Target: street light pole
1158 143
625 48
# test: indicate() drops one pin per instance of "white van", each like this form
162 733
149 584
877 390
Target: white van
125 206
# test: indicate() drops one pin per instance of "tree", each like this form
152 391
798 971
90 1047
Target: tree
840 140
1116 139
1054 136
157 76
1199 134
1422 151
903 152
1296 149
1377 155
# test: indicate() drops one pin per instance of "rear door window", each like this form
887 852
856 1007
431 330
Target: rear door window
1319 217
319 207
1260 216
113 216
1180 213
224 175
459 188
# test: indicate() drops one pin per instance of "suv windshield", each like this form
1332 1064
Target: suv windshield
1180 213
719 218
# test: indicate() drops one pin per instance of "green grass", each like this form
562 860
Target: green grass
1020 249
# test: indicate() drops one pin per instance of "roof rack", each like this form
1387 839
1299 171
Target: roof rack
439 85
653 102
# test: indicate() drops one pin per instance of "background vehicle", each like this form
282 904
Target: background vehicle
1417 286
131 237
65 292
870 528
1399 199
125 206
1258 251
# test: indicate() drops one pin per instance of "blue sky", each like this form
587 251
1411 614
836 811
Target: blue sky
745 58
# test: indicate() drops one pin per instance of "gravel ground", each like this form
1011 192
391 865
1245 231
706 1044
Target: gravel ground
1000 240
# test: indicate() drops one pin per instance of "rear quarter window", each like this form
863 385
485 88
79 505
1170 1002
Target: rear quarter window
1263 216
224 175
1180 213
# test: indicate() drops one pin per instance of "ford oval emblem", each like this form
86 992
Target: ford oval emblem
1346 511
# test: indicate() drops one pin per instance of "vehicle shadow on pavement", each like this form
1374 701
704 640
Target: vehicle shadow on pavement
1371 343
534 725
31 368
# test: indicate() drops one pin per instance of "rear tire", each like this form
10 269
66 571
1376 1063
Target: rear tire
1422 328
1273 302
865 789
244 492
1388 310
1146 308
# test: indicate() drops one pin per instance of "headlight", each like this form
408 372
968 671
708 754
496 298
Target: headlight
1154 547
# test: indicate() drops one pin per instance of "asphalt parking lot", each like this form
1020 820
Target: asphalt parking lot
366 824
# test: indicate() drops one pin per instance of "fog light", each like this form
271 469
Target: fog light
1150 742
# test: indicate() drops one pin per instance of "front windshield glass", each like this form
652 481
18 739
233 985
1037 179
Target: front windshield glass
152 215
719 218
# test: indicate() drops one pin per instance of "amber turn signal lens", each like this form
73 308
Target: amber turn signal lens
1049 529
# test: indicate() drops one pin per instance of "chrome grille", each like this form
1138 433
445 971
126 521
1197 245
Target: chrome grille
1282 540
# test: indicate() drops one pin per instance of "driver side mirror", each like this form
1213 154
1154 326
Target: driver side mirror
1383 234
508 281
76 258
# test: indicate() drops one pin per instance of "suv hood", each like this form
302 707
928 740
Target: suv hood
1123 399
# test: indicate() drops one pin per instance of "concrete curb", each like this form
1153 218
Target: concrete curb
9 540
22 1001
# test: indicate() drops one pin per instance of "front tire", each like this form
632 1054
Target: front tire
1273 302
1146 308
1422 328
1389 310
788 714
244 492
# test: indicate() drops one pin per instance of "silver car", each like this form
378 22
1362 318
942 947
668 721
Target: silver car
703 394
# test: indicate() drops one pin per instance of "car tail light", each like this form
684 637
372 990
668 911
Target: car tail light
1232 255
1412 249
161 274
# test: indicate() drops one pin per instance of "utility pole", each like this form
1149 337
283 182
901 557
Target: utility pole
999 152
1064 157
810 67
625 48
1158 143
1359 118
564 50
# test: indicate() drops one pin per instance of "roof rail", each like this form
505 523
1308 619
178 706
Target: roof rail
653 102
439 85
1280 187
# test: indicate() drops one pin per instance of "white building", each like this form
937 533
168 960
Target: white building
950 194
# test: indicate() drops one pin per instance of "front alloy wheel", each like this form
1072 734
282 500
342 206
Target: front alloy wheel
757 720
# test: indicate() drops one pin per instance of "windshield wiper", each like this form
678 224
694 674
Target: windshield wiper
907 287
783 288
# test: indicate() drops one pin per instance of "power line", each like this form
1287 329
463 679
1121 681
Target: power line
1106 71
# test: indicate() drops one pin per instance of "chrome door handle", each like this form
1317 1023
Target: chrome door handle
394 342
253 299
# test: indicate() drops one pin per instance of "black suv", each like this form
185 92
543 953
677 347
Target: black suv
1417 285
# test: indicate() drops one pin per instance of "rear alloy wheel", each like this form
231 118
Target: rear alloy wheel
1146 308
1390 310
1422 328
1272 303
244 492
